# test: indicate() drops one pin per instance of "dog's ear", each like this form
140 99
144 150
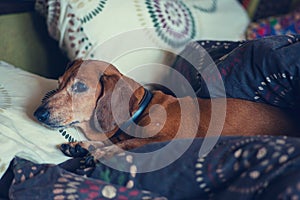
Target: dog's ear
115 102
71 63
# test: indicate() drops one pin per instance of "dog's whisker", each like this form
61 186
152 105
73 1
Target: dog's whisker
48 95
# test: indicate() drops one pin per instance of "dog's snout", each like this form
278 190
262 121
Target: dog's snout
42 114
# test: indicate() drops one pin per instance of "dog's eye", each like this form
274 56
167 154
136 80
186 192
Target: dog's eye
79 87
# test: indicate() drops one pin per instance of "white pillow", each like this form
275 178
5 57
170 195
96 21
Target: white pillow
20 135
130 33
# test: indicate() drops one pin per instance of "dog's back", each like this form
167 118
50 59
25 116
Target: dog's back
226 116
250 118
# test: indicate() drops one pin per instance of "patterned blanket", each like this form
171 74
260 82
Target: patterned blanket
264 70
258 167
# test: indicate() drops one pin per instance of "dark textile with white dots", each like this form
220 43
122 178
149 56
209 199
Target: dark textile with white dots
260 167
265 70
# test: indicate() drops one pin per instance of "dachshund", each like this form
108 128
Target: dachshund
115 112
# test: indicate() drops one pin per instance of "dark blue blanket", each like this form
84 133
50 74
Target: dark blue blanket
264 70
237 168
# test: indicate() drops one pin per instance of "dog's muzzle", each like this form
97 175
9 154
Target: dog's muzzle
43 115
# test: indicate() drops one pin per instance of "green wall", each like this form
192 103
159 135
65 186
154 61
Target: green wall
25 43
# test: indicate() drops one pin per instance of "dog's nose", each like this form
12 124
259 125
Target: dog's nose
42 114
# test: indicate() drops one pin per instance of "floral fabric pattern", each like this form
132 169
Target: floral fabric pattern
279 25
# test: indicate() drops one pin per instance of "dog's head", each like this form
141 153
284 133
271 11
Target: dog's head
92 95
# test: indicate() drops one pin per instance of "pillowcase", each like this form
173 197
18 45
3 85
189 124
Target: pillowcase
133 33
20 135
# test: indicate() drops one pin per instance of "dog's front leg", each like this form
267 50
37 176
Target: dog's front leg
93 151
83 150
90 152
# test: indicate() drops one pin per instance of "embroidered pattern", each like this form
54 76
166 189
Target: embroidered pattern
254 165
278 92
172 20
93 8
76 38
5 99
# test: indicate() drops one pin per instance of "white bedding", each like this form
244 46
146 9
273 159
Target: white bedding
20 135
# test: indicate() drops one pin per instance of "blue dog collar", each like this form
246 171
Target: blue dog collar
144 103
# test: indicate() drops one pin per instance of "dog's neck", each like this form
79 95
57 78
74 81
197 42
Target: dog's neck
142 105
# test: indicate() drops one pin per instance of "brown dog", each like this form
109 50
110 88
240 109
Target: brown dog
97 98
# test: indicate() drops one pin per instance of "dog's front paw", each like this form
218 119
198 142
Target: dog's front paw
73 149
87 165
80 149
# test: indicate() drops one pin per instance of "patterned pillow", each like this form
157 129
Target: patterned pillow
131 33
